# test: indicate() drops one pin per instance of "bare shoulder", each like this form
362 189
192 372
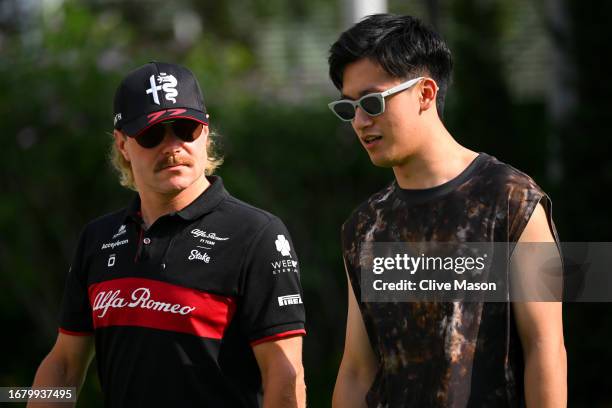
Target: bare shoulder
538 228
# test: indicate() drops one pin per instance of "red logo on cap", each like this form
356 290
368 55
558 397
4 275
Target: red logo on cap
171 112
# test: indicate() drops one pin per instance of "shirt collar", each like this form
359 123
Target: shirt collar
206 202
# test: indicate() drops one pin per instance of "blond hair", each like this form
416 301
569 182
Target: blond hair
124 169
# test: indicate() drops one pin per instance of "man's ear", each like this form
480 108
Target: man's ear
428 91
205 133
120 141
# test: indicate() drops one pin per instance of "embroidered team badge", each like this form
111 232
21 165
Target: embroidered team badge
165 83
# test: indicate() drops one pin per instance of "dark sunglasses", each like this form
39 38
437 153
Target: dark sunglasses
185 129
373 104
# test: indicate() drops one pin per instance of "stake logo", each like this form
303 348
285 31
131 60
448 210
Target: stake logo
195 254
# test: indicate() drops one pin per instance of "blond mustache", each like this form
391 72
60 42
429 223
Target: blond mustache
171 160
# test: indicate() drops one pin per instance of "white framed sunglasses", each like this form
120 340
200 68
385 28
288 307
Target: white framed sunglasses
373 104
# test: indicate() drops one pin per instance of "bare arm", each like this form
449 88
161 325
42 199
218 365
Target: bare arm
65 366
540 328
358 366
280 363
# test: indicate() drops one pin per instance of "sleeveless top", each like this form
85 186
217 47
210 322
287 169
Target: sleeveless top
445 354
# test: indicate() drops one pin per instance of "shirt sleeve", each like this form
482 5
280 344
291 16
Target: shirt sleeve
75 313
271 306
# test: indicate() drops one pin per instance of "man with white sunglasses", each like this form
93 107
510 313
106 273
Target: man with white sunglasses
393 73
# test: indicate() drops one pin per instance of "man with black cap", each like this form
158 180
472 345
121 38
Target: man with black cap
190 296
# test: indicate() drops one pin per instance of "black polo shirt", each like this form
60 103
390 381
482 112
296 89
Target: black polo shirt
176 308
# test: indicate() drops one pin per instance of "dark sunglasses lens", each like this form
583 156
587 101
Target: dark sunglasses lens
345 110
187 130
151 137
372 105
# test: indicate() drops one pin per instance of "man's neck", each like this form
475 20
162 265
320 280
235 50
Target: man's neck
438 160
153 204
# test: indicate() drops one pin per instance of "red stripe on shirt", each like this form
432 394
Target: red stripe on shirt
74 333
160 305
278 336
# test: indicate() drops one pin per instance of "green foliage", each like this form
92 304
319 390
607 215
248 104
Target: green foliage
297 161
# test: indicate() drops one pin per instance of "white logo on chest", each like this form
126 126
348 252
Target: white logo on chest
198 233
140 298
120 232
207 238
197 255
113 245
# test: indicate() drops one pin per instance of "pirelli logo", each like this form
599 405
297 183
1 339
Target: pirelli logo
289 300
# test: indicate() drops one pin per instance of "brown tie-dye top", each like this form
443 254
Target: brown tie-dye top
451 354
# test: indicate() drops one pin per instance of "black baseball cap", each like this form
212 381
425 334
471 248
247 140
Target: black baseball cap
157 92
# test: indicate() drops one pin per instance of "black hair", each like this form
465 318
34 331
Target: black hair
403 46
